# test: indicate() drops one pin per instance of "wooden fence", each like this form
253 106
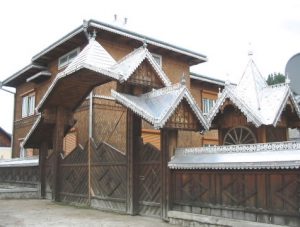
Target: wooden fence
264 196
20 172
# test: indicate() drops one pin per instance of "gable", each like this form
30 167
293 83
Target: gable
145 76
230 115
183 118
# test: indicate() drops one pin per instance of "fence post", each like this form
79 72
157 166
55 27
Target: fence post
133 146
168 145
43 152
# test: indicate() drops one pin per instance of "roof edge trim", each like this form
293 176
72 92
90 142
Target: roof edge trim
58 42
17 74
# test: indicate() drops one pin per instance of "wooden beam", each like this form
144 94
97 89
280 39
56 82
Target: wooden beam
58 137
168 146
133 145
43 152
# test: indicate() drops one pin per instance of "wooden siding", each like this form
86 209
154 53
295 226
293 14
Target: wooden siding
151 136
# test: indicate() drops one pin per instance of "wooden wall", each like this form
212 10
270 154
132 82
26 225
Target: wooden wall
270 196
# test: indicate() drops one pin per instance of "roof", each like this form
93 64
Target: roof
260 103
21 76
207 79
93 58
127 66
77 37
8 135
157 106
121 32
96 59
283 155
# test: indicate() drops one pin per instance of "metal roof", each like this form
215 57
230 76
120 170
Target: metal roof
122 32
261 104
212 80
93 57
23 74
283 155
158 105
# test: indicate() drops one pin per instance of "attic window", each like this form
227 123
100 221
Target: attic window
67 58
157 58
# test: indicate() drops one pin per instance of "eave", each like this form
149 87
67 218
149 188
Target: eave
21 76
77 37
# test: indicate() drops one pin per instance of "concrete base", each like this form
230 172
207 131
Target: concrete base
200 220
15 192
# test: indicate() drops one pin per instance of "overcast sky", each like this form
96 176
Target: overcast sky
221 30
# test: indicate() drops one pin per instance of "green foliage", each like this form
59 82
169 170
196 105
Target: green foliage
275 78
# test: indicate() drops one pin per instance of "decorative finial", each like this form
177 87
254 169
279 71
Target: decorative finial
250 52
94 34
287 79
85 24
144 43
219 93
182 79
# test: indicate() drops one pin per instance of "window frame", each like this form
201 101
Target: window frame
68 60
159 57
207 105
28 104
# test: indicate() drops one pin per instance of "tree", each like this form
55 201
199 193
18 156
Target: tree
275 78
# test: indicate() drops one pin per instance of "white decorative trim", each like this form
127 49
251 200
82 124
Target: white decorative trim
281 155
241 148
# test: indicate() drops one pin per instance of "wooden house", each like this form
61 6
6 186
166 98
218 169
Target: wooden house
5 144
5 138
32 81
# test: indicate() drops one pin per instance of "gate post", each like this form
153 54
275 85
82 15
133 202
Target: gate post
168 146
133 128
43 151
58 137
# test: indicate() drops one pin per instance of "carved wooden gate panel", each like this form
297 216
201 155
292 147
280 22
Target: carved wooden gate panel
74 177
149 188
108 178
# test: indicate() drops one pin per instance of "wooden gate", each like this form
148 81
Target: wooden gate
149 181
108 178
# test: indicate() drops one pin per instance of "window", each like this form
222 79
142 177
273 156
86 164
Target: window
158 59
67 58
207 104
28 104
